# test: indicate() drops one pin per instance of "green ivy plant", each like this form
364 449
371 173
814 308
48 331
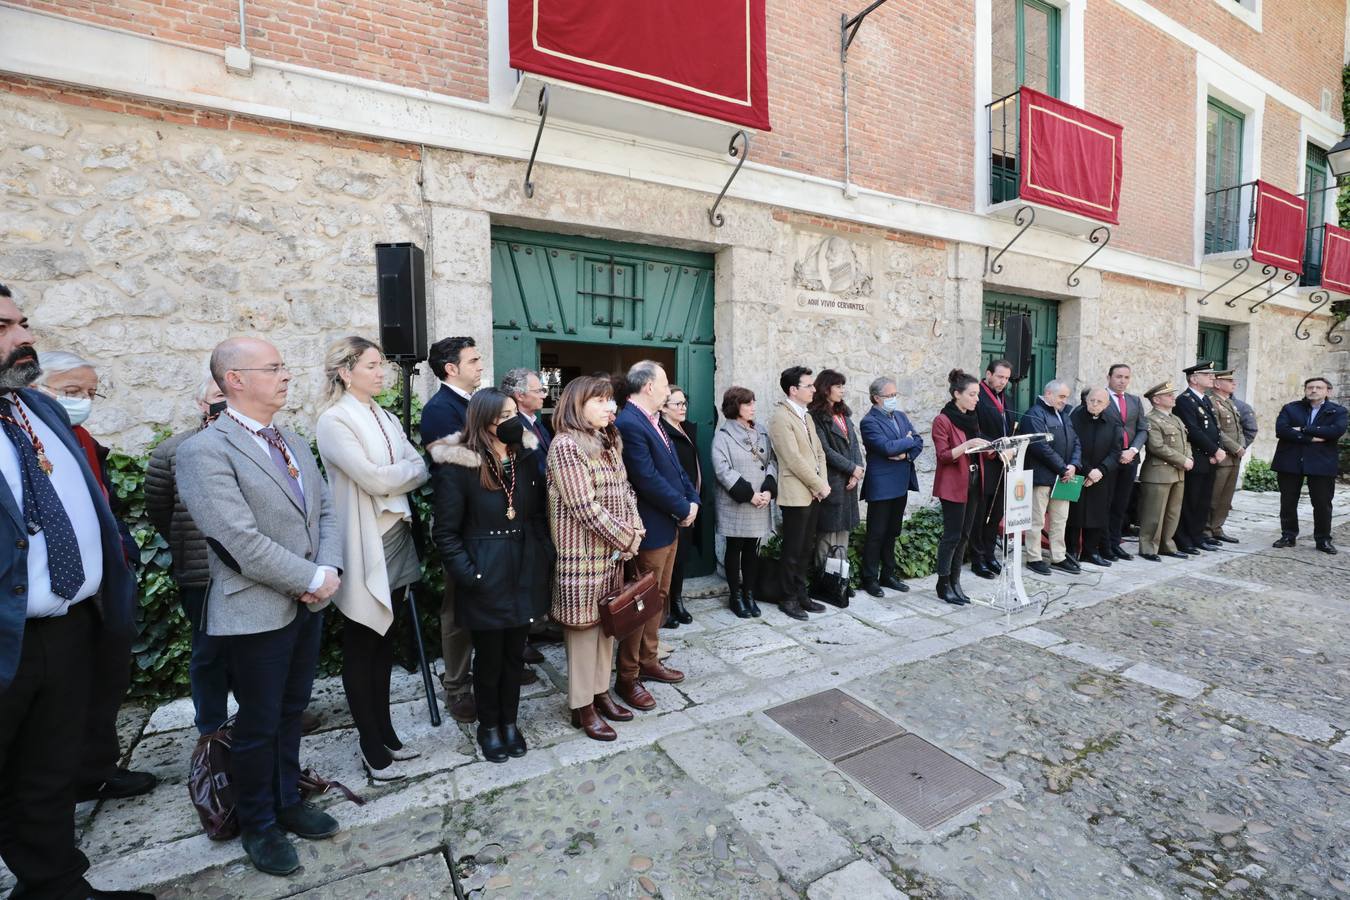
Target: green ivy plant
1259 476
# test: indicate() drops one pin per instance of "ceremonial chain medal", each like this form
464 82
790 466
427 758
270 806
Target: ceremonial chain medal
374 412
278 443
43 462
509 489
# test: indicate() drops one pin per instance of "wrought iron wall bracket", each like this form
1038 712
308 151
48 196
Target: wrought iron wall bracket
1268 270
1302 333
1100 235
739 154
1332 337
1025 216
543 117
1242 264
848 28
1290 278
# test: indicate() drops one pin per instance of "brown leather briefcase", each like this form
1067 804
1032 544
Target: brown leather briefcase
633 601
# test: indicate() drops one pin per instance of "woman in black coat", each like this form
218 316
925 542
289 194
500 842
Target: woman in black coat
1102 439
680 433
491 528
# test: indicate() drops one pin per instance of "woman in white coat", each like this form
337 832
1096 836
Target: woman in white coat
372 467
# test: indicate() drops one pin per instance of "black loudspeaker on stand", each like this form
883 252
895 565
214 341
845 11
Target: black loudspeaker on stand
400 269
1017 345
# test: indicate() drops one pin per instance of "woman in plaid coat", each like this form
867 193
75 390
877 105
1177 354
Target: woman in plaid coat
746 472
594 520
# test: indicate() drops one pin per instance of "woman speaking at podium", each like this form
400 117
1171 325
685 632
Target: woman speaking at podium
958 481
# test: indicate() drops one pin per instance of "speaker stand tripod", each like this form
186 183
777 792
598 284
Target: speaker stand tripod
408 367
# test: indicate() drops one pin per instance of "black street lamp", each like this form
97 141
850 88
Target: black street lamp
1338 157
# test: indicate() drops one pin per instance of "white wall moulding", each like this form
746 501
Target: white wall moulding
583 105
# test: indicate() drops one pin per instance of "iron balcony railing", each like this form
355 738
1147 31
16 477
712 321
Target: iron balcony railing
1004 165
1312 256
1230 216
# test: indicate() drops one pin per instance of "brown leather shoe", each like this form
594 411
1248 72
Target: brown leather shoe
660 672
462 707
634 694
528 676
310 722
595 727
605 706
532 654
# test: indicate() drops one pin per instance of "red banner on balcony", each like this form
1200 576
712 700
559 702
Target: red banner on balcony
703 56
1336 260
1071 159
1281 228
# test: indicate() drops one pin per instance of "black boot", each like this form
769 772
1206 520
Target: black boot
954 588
737 605
513 740
670 620
944 589
748 597
490 739
679 613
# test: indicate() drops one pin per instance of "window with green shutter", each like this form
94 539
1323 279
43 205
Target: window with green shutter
1212 344
1316 177
1223 175
1025 51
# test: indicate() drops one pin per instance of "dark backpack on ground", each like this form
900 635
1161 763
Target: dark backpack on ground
211 787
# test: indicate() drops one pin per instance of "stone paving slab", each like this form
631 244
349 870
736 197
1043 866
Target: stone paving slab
1274 715
858 880
427 876
785 661
1092 656
1163 680
1036 637
712 760
801 844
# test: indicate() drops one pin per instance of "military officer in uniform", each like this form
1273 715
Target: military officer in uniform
1196 412
1162 475
1234 445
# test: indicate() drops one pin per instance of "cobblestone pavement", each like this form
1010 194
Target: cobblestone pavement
1159 730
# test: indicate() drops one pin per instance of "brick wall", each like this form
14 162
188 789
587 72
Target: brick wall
911 78
437 45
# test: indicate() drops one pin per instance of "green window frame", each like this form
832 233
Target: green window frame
1316 178
1224 128
1212 344
1010 73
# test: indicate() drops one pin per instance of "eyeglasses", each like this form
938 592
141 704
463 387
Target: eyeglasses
73 393
275 369
541 391
681 404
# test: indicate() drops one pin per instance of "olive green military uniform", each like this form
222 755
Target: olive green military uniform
1226 472
1162 481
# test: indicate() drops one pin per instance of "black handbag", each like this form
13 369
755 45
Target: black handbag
832 587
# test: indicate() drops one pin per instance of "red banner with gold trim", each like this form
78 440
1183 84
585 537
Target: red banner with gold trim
703 56
1336 260
1071 158
1281 228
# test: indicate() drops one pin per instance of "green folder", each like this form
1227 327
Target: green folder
1069 490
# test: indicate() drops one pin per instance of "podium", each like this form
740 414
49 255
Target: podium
1011 594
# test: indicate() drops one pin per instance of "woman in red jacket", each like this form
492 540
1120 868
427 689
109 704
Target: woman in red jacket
957 481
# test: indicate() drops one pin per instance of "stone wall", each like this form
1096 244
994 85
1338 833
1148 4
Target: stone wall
141 244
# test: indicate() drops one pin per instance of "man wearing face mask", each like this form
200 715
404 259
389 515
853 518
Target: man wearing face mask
206 671
72 381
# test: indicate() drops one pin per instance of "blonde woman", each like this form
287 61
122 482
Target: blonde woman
594 520
372 467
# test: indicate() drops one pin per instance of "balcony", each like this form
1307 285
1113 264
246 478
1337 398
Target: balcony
1230 219
1059 159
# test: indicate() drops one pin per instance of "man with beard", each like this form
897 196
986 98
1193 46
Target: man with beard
69 587
996 421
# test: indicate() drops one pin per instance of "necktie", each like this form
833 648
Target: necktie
43 511
1125 438
274 445
1312 414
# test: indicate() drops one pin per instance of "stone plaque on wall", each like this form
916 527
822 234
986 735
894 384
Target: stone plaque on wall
832 275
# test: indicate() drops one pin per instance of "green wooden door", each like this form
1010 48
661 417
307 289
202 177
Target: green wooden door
602 305
1212 344
1044 335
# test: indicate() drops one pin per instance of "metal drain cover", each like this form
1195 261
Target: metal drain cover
919 781
834 724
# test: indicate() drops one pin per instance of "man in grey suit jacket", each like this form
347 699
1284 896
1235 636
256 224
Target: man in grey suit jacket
265 510
1128 410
